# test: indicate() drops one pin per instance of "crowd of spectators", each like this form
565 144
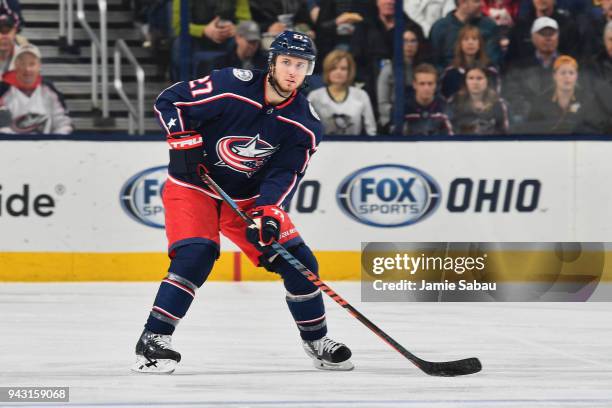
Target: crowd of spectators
477 67
470 66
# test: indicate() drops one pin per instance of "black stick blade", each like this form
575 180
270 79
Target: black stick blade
452 368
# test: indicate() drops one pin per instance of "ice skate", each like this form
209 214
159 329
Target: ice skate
155 355
328 354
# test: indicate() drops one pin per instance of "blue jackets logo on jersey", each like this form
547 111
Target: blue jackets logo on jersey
140 196
243 153
389 195
30 123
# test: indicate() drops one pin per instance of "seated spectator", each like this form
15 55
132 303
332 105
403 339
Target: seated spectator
504 13
520 37
445 31
373 43
601 64
336 23
601 79
477 108
247 53
212 21
34 104
592 26
469 51
276 16
531 76
344 109
425 112
566 109
9 40
212 27
385 87
427 12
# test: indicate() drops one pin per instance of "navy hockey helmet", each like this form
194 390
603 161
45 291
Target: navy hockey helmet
294 44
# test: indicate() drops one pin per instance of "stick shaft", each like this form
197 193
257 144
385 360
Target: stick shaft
281 251
452 368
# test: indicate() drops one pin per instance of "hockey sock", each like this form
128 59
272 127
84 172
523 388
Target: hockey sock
308 312
305 301
188 270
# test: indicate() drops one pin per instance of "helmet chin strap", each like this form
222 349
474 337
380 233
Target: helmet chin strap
274 83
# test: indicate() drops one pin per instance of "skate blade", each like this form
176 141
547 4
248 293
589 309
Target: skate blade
146 366
343 366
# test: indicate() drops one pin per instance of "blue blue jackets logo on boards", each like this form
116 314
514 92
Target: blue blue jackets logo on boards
388 195
141 196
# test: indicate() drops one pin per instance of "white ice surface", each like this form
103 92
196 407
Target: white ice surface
240 348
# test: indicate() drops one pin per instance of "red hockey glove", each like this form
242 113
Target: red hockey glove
269 220
188 139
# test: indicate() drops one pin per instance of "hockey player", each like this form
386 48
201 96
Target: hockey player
255 133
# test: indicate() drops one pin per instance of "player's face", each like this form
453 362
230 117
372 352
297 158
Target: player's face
340 73
608 42
411 44
424 85
565 77
290 72
27 68
470 44
476 82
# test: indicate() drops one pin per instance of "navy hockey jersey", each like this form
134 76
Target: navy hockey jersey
250 148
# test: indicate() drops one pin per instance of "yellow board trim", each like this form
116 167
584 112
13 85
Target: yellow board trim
148 266
152 266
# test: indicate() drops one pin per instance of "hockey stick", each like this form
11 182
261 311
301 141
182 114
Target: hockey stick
441 369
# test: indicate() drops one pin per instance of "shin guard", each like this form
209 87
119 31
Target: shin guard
304 300
188 270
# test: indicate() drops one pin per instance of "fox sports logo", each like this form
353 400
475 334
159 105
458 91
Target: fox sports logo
388 195
140 196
